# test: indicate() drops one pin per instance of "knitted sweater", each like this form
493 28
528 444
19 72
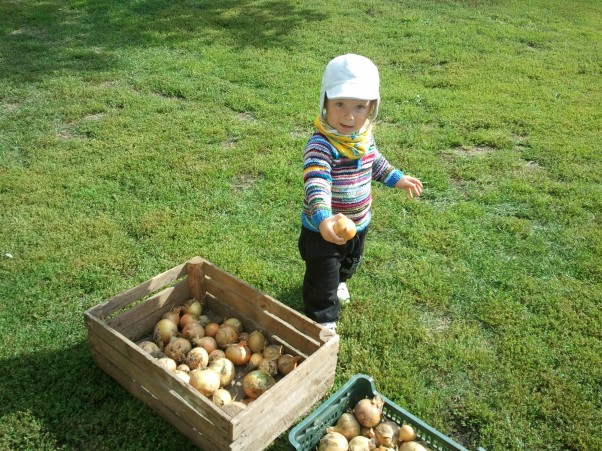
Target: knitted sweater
336 184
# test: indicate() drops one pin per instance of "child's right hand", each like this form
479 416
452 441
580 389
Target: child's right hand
327 230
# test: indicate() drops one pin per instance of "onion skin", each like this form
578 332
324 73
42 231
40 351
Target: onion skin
255 360
234 322
369 411
221 397
192 331
208 343
188 318
224 368
163 331
345 228
182 375
167 363
287 363
272 352
347 425
177 349
216 354
256 383
197 358
151 348
193 306
333 441
173 315
387 434
239 354
412 446
361 443
211 329
407 433
269 366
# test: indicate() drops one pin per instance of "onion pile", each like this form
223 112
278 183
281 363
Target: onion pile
219 359
365 428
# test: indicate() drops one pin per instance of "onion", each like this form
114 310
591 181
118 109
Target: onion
182 375
255 360
150 347
345 228
347 425
256 341
183 367
272 352
257 383
369 411
411 446
226 335
188 318
193 306
221 397
269 366
211 329
208 343
163 331
232 408
217 354
177 349
333 441
204 380
234 322
287 363
193 330
407 433
239 353
197 358
173 315
224 368
361 443
387 434
167 363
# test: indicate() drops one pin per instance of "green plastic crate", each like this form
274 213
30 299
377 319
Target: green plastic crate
307 434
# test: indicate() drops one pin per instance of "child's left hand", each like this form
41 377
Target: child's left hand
411 184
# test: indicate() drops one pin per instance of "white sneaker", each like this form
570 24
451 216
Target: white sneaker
343 293
330 326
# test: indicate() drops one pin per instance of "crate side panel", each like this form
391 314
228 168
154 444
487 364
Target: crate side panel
288 400
125 298
140 320
252 294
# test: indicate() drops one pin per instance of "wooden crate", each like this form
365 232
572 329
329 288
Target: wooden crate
116 325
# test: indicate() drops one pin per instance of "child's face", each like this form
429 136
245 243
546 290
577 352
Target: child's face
347 116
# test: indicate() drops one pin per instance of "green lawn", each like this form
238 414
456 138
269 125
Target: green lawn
135 135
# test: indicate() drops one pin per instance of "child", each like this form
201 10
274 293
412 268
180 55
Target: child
340 160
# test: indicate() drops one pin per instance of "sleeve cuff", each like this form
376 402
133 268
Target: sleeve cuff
319 216
393 178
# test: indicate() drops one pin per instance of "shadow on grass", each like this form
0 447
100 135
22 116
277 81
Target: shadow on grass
62 399
42 37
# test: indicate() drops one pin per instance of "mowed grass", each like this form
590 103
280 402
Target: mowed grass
135 135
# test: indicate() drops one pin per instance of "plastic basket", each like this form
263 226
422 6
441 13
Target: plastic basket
307 434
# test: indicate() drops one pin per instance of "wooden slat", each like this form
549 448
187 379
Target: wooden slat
144 289
243 289
195 278
139 320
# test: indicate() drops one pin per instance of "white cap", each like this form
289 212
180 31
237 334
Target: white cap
351 77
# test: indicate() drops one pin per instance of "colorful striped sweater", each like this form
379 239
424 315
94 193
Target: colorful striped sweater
336 184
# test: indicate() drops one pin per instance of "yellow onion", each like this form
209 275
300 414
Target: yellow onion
255 360
224 368
221 397
238 353
163 331
387 433
208 343
333 441
272 352
216 354
211 329
269 366
204 380
361 443
256 341
407 433
226 335
192 331
188 318
412 446
256 383
347 425
182 375
287 363
369 411
167 363
234 322
173 315
150 347
197 358
183 367
193 307
177 349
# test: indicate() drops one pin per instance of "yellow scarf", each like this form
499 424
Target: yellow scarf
351 146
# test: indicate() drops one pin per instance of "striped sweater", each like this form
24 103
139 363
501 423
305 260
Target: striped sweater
336 184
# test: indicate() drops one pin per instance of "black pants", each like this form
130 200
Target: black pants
327 265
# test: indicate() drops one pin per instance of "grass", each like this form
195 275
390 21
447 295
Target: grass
136 135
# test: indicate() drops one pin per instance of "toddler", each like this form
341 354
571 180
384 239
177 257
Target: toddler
340 161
